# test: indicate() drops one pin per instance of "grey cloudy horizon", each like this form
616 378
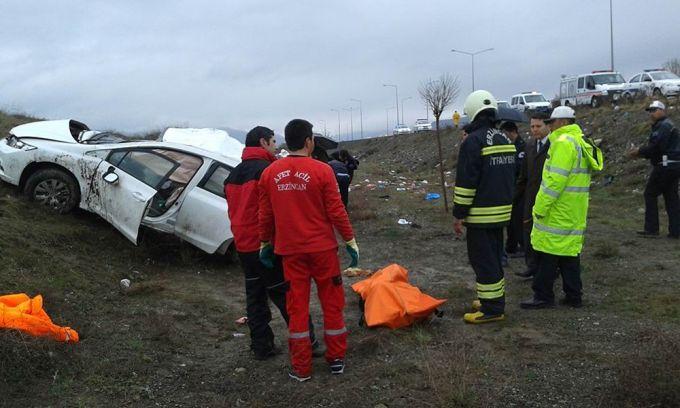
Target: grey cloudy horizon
137 66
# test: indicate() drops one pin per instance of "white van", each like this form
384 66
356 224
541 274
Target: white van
594 89
530 101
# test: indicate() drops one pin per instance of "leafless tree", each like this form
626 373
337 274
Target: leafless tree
438 94
673 65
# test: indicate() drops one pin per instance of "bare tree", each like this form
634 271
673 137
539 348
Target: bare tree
673 65
437 95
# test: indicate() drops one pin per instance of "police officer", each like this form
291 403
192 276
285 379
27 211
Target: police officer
485 178
663 151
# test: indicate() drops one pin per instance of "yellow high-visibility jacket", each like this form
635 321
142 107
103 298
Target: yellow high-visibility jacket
561 205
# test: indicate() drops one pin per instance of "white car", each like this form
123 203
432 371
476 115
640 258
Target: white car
423 125
401 130
656 82
504 104
530 101
170 187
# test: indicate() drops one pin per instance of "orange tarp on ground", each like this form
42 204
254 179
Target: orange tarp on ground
20 312
391 301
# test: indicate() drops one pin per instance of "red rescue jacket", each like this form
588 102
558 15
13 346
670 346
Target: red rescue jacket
299 197
241 192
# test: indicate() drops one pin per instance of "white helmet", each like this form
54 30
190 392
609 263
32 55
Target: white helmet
477 102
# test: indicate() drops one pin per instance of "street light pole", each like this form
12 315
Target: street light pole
403 112
611 32
325 133
336 110
472 54
396 94
361 115
387 123
351 121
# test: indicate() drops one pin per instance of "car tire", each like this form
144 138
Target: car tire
53 188
594 102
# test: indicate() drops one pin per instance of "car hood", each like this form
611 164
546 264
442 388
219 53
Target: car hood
612 87
669 82
66 130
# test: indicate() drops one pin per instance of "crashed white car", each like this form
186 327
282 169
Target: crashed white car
170 187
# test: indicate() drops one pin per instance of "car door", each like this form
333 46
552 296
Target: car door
119 198
647 85
202 219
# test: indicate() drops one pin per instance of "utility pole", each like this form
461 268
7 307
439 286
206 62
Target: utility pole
396 95
472 54
336 110
402 107
351 121
387 123
361 116
611 32
325 133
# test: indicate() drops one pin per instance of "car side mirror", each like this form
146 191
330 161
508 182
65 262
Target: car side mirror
110 176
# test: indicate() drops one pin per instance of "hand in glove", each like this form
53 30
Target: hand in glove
353 251
267 254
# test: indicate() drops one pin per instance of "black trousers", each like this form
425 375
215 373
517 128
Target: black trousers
549 267
530 255
262 285
485 249
516 240
662 181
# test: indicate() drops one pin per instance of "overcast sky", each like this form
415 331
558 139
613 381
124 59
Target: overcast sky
138 65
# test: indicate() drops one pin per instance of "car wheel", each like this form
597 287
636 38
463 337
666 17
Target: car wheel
53 188
594 102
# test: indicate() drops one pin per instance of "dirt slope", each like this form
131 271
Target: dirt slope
173 343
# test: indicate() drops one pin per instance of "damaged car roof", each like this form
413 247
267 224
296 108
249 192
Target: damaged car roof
66 130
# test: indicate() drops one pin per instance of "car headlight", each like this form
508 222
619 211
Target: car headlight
15 142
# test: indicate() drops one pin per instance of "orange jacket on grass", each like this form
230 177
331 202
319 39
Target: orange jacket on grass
20 312
389 300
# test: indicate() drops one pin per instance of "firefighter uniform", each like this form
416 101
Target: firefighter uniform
483 194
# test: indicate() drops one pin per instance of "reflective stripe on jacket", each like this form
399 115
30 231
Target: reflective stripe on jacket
561 205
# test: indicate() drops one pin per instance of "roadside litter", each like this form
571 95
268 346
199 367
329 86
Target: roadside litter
402 221
432 196
388 299
20 312
354 272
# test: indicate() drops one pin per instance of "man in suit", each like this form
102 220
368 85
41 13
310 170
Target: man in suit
529 182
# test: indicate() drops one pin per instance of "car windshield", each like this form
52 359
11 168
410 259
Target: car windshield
422 121
534 98
658 76
503 105
608 79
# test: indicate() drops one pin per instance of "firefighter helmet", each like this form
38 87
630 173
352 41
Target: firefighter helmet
479 101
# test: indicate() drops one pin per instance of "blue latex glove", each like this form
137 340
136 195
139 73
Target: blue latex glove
353 251
267 256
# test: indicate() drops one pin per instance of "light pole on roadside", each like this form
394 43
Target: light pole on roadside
403 112
337 110
396 98
325 133
472 54
351 121
361 115
387 123
611 32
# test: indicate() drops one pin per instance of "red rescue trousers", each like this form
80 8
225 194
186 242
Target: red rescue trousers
324 268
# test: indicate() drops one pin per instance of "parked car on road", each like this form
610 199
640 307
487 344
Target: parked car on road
401 129
422 125
656 82
530 101
594 89
170 187
504 104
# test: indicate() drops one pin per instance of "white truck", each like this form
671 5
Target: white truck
594 89
530 101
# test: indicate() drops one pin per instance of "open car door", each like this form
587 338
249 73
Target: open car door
119 198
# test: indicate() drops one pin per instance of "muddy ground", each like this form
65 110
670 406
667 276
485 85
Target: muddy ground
173 342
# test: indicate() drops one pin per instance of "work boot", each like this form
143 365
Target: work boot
479 318
264 355
298 377
648 234
476 305
337 366
317 350
534 303
575 303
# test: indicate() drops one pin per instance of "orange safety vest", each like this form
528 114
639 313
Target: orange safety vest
20 312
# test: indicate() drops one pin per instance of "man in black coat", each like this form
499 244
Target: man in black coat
663 151
529 182
514 246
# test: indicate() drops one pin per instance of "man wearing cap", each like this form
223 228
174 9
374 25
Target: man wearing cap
561 209
663 151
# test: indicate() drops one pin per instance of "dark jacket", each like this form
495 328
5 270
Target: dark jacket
663 141
520 145
240 189
531 174
343 178
485 177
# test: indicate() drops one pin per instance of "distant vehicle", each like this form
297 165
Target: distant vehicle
594 89
530 101
170 187
422 125
656 82
401 129
504 104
